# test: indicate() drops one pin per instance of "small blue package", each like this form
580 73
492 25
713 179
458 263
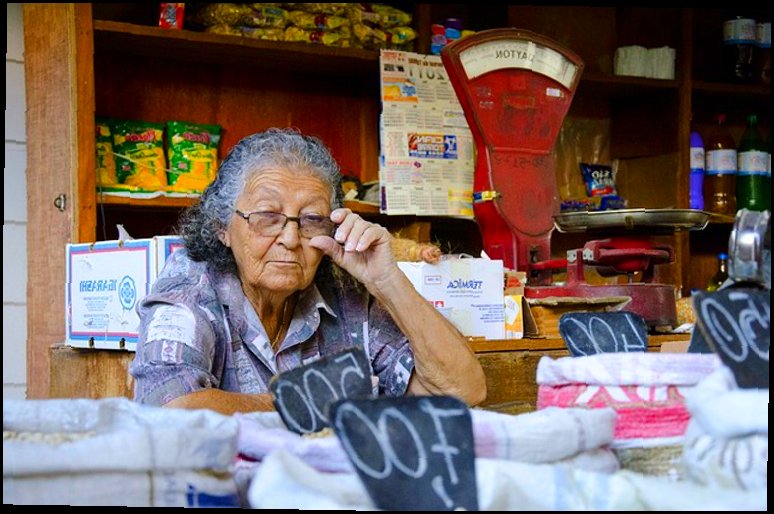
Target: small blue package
599 179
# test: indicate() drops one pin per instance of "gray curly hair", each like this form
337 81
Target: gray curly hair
201 224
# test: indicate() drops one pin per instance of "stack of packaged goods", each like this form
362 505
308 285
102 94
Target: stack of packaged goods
381 26
444 33
258 21
359 25
327 24
131 159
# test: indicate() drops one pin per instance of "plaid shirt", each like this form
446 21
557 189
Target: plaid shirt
198 330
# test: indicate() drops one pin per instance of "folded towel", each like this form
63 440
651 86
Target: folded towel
635 368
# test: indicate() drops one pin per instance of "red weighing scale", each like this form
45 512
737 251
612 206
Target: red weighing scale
515 87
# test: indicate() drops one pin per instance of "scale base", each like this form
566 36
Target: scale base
654 302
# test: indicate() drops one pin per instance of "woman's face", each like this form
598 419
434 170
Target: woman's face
283 263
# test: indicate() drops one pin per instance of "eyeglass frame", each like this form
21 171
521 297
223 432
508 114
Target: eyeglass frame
297 219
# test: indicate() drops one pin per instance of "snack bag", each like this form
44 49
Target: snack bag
193 155
311 21
599 179
106 164
171 15
139 154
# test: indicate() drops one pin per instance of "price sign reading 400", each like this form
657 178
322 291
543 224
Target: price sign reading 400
412 453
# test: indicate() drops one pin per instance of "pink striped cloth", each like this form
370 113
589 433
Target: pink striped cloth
643 411
645 389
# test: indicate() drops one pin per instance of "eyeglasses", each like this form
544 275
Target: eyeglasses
270 224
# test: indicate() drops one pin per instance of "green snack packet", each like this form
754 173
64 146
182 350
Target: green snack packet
106 164
192 149
139 154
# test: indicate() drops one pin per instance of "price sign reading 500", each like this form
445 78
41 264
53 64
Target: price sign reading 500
302 395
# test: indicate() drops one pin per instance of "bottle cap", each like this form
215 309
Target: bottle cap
722 255
453 23
696 140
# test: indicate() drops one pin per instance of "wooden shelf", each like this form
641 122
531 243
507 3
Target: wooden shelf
736 100
723 88
618 84
145 41
179 203
161 201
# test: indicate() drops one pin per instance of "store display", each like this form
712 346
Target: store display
286 476
720 170
752 163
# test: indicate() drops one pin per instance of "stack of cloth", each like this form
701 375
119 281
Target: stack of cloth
117 452
545 460
571 437
647 391
727 441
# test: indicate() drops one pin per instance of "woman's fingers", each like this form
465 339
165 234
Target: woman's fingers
355 233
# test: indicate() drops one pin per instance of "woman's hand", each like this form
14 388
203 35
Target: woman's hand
364 249
443 361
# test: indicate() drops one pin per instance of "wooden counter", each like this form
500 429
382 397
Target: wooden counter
510 367
86 373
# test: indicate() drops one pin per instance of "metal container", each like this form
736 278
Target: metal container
749 248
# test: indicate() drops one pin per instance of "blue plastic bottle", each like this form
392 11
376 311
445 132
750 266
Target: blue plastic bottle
696 195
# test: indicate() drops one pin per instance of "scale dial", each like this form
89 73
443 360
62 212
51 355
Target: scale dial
518 53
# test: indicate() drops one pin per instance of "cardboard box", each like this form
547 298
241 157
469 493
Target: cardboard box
548 311
105 280
469 292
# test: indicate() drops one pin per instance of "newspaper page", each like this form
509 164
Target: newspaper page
427 152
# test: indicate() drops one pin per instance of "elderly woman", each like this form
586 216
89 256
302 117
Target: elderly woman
274 275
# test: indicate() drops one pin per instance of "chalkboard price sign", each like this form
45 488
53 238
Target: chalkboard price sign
590 333
302 395
412 453
736 323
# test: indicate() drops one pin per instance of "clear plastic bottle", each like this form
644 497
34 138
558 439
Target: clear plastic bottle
720 170
752 163
696 193
721 275
739 48
762 68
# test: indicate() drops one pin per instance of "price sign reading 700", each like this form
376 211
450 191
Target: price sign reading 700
412 453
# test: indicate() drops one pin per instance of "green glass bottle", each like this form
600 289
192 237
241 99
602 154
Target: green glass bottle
752 157
721 275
